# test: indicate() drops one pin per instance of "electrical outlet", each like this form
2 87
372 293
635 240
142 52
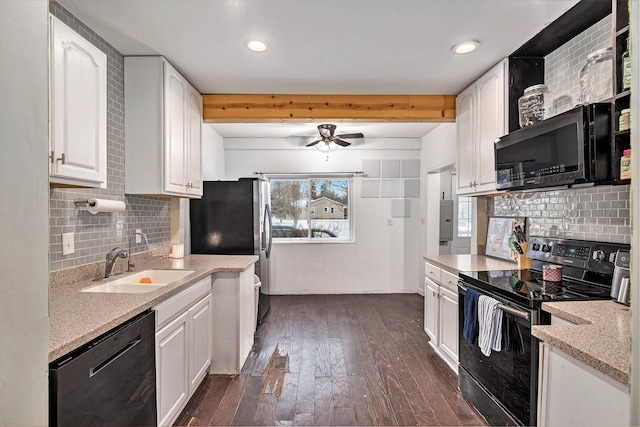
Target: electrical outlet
138 237
68 245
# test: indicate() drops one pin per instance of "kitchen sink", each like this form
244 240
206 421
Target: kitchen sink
155 279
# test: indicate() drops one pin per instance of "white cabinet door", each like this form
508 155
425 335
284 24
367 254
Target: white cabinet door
491 123
200 341
465 125
431 314
78 109
175 173
171 369
571 393
163 130
448 328
194 141
481 118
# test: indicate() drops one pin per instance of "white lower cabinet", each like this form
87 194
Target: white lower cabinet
571 393
171 369
183 348
448 327
441 313
200 342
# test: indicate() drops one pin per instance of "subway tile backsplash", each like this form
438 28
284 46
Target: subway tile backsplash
563 65
600 213
95 235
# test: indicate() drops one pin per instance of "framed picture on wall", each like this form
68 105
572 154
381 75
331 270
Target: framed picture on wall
499 232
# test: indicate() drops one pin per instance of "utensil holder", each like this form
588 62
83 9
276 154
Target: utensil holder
523 261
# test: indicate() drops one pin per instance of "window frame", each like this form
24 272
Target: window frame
309 239
469 202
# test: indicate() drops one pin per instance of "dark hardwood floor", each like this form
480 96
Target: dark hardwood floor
336 360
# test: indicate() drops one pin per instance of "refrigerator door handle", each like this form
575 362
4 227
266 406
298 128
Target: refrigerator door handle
267 213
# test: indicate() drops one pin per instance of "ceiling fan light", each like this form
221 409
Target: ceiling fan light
326 147
256 45
465 47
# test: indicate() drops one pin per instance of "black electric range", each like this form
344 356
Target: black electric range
587 272
503 386
527 287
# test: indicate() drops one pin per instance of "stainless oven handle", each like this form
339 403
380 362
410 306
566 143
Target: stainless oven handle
524 314
511 310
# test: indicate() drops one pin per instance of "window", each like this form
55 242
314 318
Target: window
311 208
464 216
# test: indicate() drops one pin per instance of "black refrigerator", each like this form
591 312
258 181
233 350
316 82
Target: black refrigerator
234 218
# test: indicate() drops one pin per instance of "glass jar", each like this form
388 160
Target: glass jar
596 83
535 105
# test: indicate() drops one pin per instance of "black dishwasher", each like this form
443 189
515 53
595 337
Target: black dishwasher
110 381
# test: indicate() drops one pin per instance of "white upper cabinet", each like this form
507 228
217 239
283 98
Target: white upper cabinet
481 118
78 108
163 126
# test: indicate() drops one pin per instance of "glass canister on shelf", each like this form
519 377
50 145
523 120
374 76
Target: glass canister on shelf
535 105
596 83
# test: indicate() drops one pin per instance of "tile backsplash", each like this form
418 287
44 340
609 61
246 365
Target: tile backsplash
600 213
95 235
563 65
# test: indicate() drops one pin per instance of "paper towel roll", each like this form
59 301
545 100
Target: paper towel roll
101 205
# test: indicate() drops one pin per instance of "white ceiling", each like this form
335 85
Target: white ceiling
321 46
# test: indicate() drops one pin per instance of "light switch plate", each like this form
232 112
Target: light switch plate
138 237
68 245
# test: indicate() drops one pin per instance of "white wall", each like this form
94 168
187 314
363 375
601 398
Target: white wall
212 154
438 154
383 259
212 170
24 213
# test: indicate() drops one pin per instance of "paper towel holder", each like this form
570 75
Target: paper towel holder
100 205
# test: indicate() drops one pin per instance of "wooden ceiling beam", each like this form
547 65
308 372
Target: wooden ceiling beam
291 108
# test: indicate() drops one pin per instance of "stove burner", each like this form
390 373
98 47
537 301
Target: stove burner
586 290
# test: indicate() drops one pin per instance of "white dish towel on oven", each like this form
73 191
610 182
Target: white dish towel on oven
489 325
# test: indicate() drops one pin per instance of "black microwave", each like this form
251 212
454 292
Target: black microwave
571 148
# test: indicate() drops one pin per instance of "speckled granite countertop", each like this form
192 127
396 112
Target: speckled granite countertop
457 263
76 318
600 338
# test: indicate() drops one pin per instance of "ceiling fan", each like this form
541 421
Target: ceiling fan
330 142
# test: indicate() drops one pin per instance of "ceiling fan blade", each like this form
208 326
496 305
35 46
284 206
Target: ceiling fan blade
341 142
311 144
351 135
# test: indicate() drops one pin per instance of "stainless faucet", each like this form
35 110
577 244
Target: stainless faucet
130 265
112 257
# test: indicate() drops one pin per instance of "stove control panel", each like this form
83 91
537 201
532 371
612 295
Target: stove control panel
596 257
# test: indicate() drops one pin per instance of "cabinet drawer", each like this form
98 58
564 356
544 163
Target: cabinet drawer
432 272
168 309
449 281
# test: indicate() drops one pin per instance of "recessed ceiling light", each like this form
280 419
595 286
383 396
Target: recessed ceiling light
256 45
465 47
